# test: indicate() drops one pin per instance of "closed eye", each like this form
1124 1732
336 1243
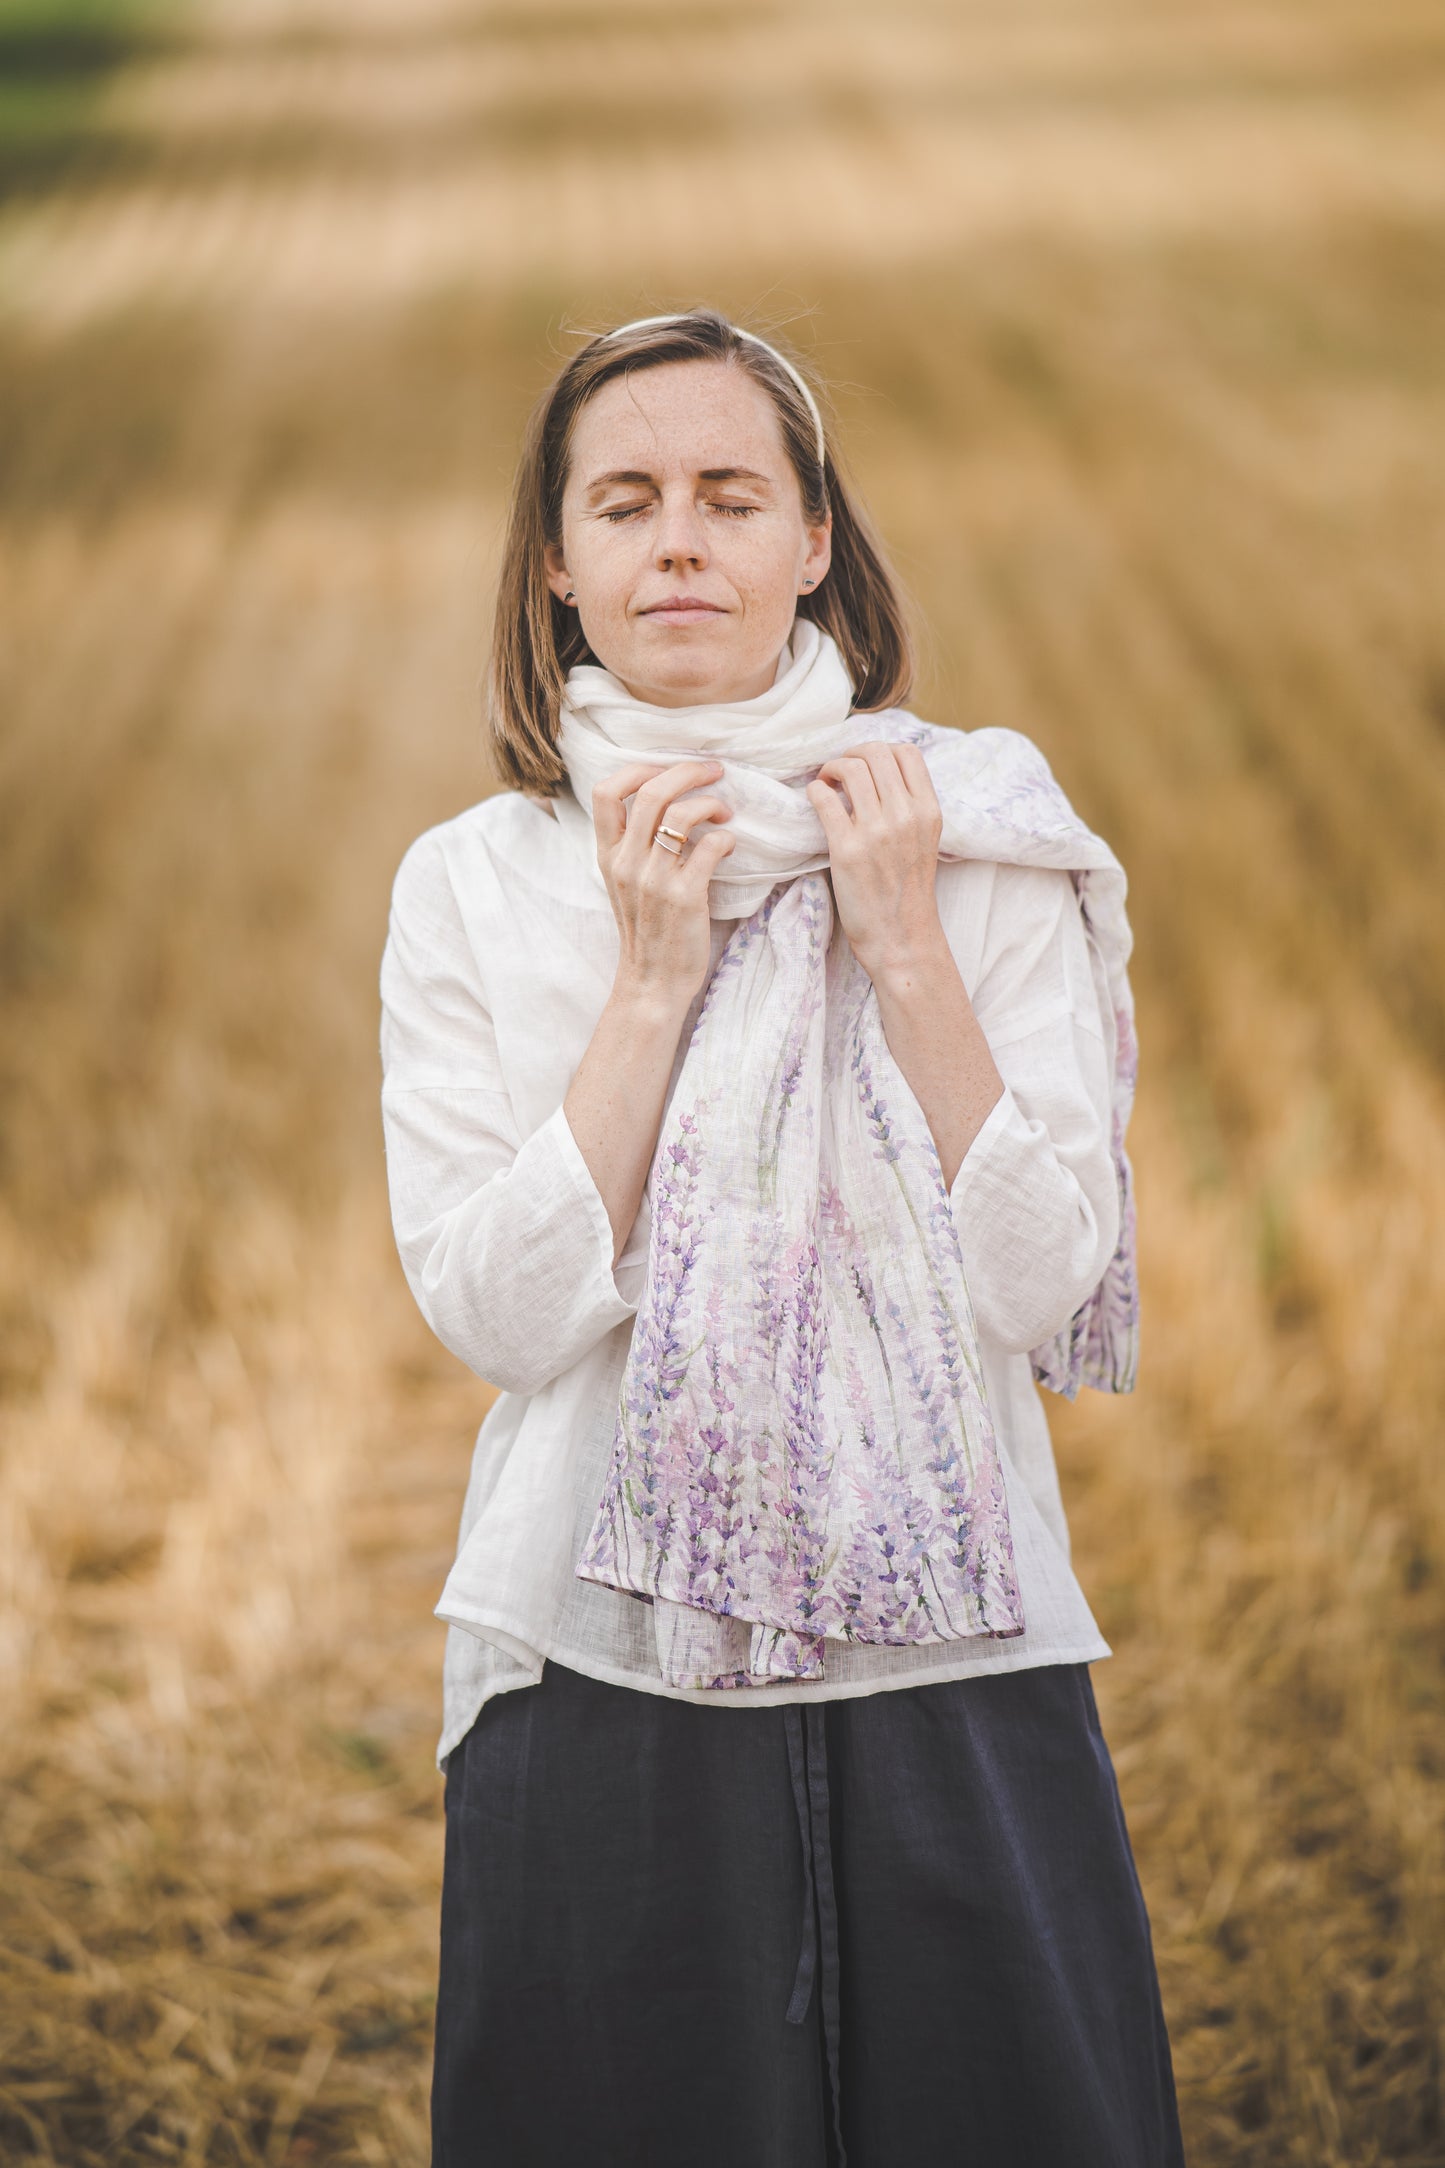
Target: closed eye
616 514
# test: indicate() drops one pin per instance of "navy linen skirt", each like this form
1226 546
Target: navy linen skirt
898 1929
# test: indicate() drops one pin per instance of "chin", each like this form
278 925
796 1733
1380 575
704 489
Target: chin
693 669
690 668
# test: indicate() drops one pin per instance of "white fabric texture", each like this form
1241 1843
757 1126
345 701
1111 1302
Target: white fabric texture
999 801
804 1452
500 956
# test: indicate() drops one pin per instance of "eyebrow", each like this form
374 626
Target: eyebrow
635 477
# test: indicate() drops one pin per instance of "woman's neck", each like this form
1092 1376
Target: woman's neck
722 693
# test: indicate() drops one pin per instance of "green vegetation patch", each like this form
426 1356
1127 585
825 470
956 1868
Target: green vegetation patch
56 57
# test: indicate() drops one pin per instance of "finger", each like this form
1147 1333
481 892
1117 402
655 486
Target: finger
659 847
917 774
828 804
644 845
686 813
887 777
608 817
853 772
706 855
672 782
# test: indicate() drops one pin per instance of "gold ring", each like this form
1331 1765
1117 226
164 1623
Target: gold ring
676 844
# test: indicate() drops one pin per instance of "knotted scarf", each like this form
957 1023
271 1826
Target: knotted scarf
803 1446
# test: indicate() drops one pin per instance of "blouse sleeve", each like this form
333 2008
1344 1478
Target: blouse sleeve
1036 1200
505 1241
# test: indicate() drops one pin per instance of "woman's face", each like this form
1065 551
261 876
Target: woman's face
684 541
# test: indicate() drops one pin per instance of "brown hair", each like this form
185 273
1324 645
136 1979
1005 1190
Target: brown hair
538 640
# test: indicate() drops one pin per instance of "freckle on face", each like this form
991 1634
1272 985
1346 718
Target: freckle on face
677 425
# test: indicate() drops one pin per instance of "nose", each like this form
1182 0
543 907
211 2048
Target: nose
680 536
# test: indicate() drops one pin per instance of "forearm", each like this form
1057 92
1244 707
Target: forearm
615 1102
939 1045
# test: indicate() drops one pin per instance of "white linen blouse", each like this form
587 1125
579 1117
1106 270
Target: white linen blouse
501 952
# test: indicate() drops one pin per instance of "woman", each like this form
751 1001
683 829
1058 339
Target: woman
755 1087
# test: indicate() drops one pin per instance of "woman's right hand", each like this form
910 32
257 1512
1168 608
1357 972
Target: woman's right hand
659 898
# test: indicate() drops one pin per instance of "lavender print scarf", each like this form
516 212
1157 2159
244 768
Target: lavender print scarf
803 1447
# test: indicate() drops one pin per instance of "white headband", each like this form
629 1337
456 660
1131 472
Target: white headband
641 323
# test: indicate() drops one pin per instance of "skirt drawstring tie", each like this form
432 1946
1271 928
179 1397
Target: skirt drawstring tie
807 1761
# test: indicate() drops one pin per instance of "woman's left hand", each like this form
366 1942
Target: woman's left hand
884 853
885 870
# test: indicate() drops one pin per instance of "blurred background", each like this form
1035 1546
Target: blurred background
1134 315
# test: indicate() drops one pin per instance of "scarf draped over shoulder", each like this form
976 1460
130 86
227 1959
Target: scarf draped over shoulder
803 1447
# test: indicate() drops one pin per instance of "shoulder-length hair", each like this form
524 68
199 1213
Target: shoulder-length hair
537 640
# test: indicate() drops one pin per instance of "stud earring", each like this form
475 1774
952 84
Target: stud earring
807 583
568 596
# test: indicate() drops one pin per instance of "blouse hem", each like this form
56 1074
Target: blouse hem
534 1653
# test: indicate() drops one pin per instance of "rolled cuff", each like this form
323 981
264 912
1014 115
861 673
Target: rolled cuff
1035 1241
589 1198
517 1279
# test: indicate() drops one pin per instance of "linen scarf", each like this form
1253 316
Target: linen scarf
803 1446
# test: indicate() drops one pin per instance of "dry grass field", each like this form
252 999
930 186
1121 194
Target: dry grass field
1135 319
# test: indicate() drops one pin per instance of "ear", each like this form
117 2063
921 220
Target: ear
557 578
818 557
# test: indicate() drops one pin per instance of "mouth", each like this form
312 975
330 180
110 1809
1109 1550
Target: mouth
683 610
